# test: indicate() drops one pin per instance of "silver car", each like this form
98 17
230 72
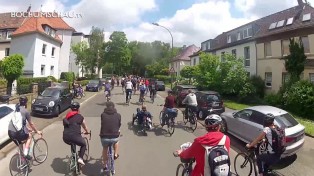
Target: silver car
247 124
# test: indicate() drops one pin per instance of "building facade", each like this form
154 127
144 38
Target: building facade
64 60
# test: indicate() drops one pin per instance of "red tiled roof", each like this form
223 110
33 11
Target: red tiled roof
8 22
186 52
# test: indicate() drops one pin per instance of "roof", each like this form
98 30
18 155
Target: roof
8 22
185 53
261 26
268 109
196 53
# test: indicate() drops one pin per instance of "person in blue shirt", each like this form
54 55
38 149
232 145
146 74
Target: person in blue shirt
140 115
108 88
142 91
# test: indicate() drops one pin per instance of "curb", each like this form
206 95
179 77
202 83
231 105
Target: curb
10 146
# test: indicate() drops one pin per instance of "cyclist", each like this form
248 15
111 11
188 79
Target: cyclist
128 89
142 91
212 138
152 87
169 105
23 135
270 157
112 82
109 131
191 102
72 123
147 85
74 85
134 81
140 115
108 88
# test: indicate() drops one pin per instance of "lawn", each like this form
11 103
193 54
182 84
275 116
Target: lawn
309 125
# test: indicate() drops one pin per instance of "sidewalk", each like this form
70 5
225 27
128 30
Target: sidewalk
43 122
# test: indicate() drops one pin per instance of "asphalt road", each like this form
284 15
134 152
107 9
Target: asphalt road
140 154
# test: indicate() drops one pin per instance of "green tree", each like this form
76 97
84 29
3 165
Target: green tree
295 61
188 72
12 67
95 51
81 51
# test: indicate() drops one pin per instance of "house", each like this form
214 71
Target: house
264 42
183 59
44 43
77 37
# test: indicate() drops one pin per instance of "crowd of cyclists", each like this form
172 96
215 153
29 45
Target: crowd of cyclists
111 123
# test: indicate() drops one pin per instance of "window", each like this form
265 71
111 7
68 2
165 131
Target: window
247 33
285 47
247 56
306 44
207 45
239 36
273 25
194 61
7 51
2 35
248 74
203 46
290 21
285 78
244 114
53 33
257 117
306 17
52 70
311 76
42 70
9 33
267 47
268 79
234 52
4 110
222 56
229 39
280 23
53 51
47 30
43 51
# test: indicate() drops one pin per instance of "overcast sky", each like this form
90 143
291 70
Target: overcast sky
190 21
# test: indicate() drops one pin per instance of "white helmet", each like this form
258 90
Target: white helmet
213 120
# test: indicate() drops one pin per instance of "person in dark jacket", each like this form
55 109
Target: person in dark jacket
110 131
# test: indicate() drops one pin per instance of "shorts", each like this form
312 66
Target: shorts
107 142
18 138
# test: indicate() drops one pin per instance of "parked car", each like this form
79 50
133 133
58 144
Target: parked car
94 85
181 91
247 124
207 101
160 86
6 114
52 101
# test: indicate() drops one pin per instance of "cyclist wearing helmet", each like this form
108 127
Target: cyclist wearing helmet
141 113
24 134
269 158
191 102
169 105
72 123
212 138
108 88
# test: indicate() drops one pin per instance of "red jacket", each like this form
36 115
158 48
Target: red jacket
146 82
197 151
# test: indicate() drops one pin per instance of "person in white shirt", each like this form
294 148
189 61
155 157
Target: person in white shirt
191 102
128 89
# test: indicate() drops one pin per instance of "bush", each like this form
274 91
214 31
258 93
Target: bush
53 79
24 85
259 85
68 76
300 98
91 76
84 82
3 83
166 79
273 99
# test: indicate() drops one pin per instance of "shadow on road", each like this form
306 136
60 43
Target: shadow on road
59 165
92 167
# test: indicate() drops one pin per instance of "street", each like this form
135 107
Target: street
140 155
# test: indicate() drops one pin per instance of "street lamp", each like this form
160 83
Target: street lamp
156 24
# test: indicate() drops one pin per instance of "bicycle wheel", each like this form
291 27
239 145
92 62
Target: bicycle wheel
86 154
160 117
18 165
185 121
171 126
180 170
71 166
193 122
243 164
40 150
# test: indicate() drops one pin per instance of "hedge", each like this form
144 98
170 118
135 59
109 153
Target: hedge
24 85
68 76
3 83
166 79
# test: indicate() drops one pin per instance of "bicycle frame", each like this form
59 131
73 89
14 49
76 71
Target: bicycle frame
110 162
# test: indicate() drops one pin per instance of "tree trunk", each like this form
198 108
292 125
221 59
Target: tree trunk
9 87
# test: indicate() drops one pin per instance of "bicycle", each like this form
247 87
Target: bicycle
186 165
73 165
19 163
249 161
110 162
79 93
153 96
142 99
107 96
128 97
168 116
192 119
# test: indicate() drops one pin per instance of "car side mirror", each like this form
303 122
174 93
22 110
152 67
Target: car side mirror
234 114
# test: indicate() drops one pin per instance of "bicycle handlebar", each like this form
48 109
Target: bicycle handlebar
90 134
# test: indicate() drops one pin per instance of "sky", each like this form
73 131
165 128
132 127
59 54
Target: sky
190 21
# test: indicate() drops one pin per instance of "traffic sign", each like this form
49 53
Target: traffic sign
172 70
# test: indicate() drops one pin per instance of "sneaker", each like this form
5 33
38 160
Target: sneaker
80 160
28 157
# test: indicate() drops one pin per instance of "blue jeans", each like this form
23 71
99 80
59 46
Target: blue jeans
128 93
108 142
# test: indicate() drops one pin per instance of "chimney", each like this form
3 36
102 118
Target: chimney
300 2
29 8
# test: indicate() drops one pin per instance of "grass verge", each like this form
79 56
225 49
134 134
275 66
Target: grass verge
308 124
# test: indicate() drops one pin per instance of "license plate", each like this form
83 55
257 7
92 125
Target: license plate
215 104
39 109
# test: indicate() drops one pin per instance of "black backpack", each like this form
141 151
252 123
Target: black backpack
278 140
218 160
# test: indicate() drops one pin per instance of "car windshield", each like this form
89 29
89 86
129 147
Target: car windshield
159 82
94 81
185 90
51 93
286 120
212 97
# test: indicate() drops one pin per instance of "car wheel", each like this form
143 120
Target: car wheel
57 111
262 148
201 115
224 128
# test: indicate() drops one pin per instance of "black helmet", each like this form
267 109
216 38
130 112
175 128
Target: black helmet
213 120
75 106
170 92
269 119
23 101
17 107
